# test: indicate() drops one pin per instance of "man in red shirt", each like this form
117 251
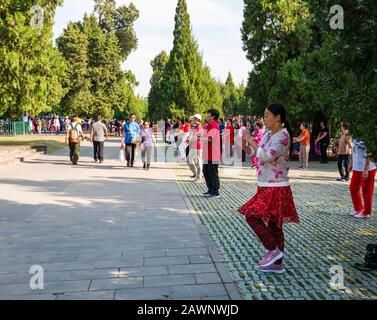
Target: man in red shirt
211 154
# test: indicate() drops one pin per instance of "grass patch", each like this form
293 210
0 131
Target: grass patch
53 143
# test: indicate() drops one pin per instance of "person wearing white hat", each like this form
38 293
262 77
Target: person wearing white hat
195 157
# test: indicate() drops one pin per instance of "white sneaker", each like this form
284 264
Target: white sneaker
274 268
361 216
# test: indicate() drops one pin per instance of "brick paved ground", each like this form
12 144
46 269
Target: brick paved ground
97 238
327 235
103 232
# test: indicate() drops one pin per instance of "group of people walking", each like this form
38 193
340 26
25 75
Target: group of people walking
134 135
138 135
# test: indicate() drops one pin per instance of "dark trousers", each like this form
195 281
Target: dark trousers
323 147
130 152
74 152
270 235
343 164
211 175
98 150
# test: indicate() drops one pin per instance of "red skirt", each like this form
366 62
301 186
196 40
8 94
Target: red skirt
272 204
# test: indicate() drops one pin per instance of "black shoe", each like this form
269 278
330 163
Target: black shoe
144 165
214 196
207 194
364 267
148 167
128 164
132 165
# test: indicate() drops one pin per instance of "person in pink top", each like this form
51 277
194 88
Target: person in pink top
257 136
273 204
211 154
195 157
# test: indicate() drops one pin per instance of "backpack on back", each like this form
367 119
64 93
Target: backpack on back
73 134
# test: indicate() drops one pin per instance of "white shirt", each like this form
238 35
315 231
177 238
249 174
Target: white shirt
77 126
359 154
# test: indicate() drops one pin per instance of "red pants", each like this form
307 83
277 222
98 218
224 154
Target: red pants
270 236
367 186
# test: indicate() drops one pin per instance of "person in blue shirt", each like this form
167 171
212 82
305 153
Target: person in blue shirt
131 132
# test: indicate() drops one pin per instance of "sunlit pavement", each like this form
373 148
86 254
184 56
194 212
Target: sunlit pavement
103 231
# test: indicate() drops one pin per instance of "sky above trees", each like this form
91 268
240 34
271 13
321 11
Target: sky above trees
216 25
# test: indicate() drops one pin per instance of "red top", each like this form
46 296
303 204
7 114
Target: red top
186 128
196 137
230 128
211 149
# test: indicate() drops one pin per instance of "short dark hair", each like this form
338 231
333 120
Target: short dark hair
214 113
259 124
97 118
132 115
345 126
304 124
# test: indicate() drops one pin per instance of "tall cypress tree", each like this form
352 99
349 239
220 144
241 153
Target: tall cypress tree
155 110
73 45
230 96
104 58
187 85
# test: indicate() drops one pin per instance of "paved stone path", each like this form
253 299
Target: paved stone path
327 236
108 232
104 232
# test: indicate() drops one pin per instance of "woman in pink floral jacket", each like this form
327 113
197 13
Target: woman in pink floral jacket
273 204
